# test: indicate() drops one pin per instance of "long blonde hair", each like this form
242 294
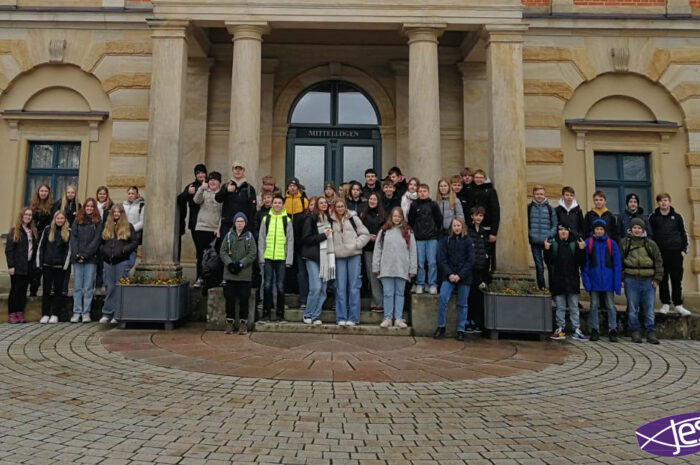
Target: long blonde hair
65 229
17 235
120 228
44 206
64 199
451 197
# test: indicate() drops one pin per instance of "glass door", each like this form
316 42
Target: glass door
309 163
354 157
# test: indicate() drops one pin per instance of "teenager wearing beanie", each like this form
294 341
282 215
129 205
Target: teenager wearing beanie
633 210
208 218
186 201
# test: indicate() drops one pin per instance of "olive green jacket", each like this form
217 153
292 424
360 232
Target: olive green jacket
238 249
640 261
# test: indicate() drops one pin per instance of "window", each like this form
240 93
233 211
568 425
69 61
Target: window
334 103
619 174
53 163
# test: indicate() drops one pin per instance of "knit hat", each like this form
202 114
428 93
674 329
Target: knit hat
600 222
637 222
240 215
296 182
561 226
215 175
630 197
200 168
328 184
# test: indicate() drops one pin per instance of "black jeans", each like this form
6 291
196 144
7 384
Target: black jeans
17 299
237 291
52 296
673 268
201 240
274 272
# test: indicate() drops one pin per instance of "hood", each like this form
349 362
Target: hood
602 238
544 202
562 204
283 212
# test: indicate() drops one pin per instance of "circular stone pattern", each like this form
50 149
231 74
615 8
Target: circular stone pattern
333 357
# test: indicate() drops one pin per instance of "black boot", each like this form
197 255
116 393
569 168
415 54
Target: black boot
651 338
460 336
595 336
636 337
612 335
439 333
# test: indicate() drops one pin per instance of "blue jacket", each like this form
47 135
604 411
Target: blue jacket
603 270
541 222
456 256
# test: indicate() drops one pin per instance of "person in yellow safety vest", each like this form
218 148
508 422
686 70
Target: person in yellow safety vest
276 253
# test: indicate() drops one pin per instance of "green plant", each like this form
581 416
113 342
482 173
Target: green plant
515 287
162 278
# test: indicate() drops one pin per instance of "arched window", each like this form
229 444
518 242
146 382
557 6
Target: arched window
334 103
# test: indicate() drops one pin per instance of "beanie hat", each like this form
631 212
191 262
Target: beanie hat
600 222
296 182
240 215
200 168
215 175
561 226
637 222
328 184
630 197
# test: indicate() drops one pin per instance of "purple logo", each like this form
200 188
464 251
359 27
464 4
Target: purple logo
671 436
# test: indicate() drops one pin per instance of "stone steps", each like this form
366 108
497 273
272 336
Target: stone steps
362 329
366 317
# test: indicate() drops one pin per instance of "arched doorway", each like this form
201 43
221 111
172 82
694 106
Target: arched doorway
333 135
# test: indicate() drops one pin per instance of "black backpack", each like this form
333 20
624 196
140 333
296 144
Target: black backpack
212 266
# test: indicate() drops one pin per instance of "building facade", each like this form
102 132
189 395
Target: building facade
597 95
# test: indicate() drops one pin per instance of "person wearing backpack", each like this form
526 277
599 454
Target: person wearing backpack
565 255
237 196
541 227
602 276
238 252
395 263
275 254
642 271
53 257
207 218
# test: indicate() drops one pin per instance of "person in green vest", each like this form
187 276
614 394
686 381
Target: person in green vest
276 253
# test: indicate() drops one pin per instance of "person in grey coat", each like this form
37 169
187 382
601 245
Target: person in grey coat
395 261
450 206
541 227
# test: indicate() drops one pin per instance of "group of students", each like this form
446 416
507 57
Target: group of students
97 240
393 227
607 251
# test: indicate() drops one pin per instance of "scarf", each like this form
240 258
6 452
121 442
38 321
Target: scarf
326 252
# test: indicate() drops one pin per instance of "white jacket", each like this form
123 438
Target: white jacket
134 213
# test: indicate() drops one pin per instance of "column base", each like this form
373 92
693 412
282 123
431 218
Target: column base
159 270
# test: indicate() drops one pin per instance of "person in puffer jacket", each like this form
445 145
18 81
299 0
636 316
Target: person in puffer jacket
569 212
642 270
426 221
456 260
450 206
602 276
541 226
53 257
669 232
633 210
481 276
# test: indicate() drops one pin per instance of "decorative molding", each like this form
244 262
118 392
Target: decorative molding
620 59
92 118
664 129
57 48
247 30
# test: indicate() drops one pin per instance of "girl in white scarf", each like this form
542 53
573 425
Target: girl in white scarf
319 256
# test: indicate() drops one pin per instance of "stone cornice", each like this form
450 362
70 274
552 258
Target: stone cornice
92 118
177 29
503 33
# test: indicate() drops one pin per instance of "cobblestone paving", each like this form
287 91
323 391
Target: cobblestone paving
64 398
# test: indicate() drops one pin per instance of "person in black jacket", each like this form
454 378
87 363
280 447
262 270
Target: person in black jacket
318 255
185 200
669 232
484 195
53 257
119 240
633 210
569 212
372 184
399 181
19 253
389 197
84 242
355 201
456 260
600 211
42 210
68 204
373 219
426 220
237 196
481 275
565 256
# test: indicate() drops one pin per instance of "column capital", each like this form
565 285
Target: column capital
472 70
247 30
505 33
428 32
399 67
269 65
176 29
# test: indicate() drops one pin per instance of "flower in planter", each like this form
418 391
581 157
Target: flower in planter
515 287
158 281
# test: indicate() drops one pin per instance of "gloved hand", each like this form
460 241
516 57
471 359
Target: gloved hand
237 268
232 268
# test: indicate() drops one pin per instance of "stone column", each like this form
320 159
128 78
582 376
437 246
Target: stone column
474 103
244 126
506 120
165 147
400 68
425 160
269 66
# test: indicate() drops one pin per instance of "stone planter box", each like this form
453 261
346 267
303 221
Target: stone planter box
518 313
152 304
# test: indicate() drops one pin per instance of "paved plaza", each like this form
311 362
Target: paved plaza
79 394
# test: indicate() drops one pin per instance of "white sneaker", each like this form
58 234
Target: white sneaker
401 324
433 290
318 322
198 283
86 318
44 319
308 321
342 323
682 311
665 308
349 323
414 289
75 318
104 320
419 289
113 321
53 319
386 323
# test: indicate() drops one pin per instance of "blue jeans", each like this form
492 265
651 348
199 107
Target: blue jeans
274 271
393 290
347 289
427 250
111 274
538 257
462 304
83 284
302 279
609 303
317 291
132 259
640 296
563 301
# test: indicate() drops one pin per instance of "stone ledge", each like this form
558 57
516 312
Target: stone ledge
365 330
